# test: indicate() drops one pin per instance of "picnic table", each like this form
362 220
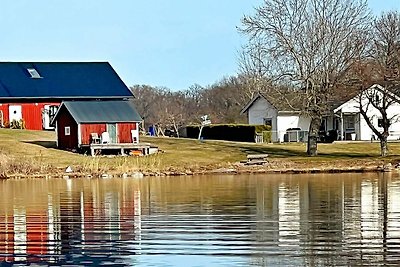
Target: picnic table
257 159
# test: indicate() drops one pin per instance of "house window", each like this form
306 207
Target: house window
335 124
34 73
322 127
67 130
350 122
380 122
377 99
268 121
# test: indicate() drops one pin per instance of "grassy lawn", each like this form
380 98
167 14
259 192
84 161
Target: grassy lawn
29 152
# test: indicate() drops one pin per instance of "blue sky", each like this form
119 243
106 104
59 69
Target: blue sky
172 43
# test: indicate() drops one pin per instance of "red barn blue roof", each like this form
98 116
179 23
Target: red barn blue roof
60 80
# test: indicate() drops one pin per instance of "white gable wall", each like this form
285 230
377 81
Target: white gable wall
394 129
260 110
362 129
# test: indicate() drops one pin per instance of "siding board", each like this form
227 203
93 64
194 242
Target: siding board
124 132
87 129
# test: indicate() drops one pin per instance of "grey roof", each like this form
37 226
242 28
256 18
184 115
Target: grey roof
281 105
101 111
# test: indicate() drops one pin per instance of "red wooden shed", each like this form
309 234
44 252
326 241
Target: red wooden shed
31 92
80 123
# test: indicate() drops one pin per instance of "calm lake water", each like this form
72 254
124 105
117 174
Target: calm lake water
258 220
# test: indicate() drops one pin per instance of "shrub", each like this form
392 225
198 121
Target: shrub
14 124
230 132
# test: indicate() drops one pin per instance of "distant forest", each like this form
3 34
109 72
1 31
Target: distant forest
167 109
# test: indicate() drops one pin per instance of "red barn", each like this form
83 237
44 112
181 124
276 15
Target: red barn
30 92
80 123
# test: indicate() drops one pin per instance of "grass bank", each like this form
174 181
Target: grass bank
24 152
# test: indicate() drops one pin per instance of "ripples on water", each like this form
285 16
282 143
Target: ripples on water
286 220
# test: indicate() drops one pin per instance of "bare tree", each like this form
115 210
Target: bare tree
384 68
381 99
309 44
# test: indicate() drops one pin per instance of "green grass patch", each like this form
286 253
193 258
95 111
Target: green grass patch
30 152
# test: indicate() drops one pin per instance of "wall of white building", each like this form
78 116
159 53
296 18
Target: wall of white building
260 110
286 121
362 129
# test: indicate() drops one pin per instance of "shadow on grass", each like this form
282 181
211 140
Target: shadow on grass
334 155
277 152
46 144
273 152
282 152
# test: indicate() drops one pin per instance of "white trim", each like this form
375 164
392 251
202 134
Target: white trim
116 133
79 135
34 73
67 130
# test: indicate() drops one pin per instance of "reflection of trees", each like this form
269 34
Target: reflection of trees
332 220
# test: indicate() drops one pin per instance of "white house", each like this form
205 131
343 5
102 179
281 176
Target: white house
280 117
345 118
352 125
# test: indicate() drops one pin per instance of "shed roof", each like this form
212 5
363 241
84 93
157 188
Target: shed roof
60 80
111 111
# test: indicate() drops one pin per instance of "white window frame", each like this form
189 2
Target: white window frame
34 73
67 130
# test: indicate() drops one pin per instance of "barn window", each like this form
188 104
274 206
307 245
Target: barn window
34 73
67 130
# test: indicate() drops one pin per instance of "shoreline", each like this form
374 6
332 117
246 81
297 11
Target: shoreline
239 170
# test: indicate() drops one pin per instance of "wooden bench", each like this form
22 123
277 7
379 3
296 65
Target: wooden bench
258 159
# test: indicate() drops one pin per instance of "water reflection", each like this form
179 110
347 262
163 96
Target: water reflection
264 220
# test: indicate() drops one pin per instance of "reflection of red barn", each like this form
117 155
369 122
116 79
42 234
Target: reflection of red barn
37 235
32 236
78 121
32 91
7 237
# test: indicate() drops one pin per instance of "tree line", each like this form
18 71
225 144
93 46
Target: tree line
169 110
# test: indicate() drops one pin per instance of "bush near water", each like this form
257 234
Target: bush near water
230 132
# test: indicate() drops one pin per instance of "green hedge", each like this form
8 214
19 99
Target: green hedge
230 132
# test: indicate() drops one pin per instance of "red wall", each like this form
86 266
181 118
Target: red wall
31 114
123 131
4 109
87 129
64 120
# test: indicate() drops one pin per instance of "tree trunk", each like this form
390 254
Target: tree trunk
384 146
313 137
